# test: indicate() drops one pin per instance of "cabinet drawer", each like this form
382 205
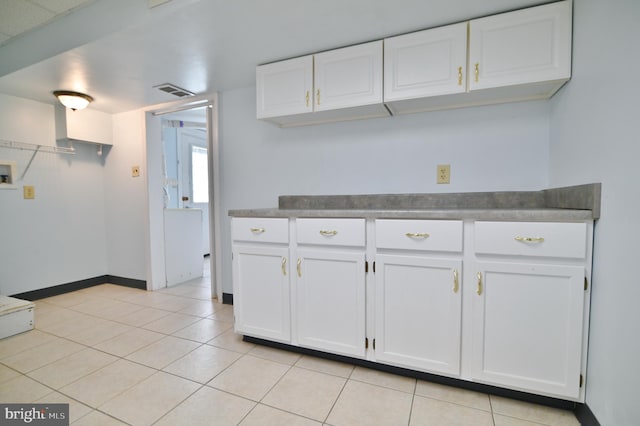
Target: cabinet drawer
567 240
260 229
435 235
339 232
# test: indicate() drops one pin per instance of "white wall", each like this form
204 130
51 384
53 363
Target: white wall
594 138
502 147
88 218
125 198
58 237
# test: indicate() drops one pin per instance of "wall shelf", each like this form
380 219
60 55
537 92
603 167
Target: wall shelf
38 148
35 148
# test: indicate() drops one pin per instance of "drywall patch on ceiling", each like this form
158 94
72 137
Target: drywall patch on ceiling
20 16
154 3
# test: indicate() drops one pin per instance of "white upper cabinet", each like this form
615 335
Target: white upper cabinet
337 85
426 63
348 77
285 88
526 46
514 56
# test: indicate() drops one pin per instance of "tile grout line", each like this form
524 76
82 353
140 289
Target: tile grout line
333 406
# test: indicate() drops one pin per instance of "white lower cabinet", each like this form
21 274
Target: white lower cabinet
330 288
530 293
418 312
261 289
261 292
528 326
330 285
499 303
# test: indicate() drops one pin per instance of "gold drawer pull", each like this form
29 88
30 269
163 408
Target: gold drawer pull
417 235
530 239
257 230
479 288
307 98
284 266
476 70
456 283
328 233
299 267
318 96
459 76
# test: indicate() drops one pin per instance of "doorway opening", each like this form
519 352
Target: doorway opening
183 192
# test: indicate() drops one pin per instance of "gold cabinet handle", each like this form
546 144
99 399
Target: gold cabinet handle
479 288
459 76
476 70
318 96
529 239
456 283
307 98
257 230
417 235
299 267
328 233
284 266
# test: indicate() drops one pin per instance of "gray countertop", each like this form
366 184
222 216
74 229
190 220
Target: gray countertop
543 215
554 205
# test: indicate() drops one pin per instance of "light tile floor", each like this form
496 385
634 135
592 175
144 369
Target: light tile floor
124 356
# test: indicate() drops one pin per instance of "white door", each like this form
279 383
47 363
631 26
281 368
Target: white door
348 77
330 288
261 292
418 312
195 177
527 326
285 87
520 47
426 63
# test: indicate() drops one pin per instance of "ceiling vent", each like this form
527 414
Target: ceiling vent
174 90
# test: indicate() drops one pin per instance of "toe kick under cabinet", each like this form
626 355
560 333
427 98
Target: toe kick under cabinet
494 302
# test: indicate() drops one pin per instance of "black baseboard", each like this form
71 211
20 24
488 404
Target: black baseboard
585 416
126 282
79 285
478 387
227 298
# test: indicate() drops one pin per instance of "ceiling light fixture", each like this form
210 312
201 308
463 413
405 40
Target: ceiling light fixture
73 100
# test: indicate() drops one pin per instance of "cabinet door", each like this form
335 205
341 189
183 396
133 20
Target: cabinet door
261 292
348 77
418 312
524 46
285 87
331 301
426 63
527 326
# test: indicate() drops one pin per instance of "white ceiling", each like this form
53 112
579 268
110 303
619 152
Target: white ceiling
117 50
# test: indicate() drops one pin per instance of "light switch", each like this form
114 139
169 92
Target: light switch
29 192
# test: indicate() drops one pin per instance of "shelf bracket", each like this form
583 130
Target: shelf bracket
26 169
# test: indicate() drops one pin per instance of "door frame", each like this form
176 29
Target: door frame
156 276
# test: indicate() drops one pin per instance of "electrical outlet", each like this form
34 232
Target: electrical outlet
29 192
135 171
444 173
